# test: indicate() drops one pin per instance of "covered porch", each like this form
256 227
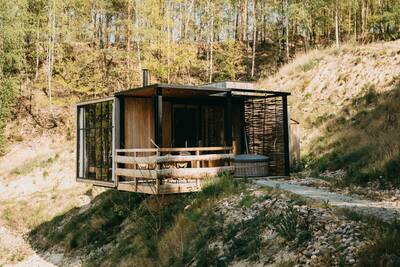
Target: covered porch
168 138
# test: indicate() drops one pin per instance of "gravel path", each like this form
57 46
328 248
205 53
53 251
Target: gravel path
388 211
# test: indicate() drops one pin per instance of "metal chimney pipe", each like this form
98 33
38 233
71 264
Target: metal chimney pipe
145 77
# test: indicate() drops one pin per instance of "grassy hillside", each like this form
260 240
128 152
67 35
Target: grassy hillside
229 223
347 102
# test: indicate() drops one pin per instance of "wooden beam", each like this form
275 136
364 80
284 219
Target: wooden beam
188 149
93 101
137 150
179 188
209 157
158 113
140 188
286 135
142 174
170 158
194 173
96 182
228 119
121 119
136 160
176 149
78 143
168 188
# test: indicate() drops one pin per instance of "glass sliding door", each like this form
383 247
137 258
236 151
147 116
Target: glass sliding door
94 141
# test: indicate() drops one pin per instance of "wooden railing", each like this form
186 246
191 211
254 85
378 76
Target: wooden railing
170 170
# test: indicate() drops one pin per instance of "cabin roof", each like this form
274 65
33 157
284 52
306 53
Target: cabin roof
238 89
214 89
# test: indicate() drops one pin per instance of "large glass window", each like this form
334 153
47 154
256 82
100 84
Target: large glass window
95 129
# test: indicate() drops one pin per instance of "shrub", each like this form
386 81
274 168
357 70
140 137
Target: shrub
392 169
285 223
384 250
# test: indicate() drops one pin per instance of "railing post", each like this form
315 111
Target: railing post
198 166
157 179
116 167
135 167
198 161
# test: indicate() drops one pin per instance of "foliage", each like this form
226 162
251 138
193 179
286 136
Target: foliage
11 57
285 223
7 98
229 61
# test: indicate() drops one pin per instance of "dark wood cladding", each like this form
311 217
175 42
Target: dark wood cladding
265 131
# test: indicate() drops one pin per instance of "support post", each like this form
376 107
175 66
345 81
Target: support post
286 135
158 116
228 119
120 122
118 133
78 143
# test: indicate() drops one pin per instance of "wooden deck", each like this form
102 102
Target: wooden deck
169 170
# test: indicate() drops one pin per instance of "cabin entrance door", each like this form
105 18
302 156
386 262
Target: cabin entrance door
185 125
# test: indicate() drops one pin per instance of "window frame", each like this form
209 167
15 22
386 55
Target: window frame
81 135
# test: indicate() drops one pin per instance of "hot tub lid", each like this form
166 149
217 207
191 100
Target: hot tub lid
250 158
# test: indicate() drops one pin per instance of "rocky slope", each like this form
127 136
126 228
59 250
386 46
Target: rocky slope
36 183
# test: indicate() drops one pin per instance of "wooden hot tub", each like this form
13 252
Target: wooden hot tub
250 165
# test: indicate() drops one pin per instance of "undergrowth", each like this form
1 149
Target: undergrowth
383 249
130 229
144 231
364 141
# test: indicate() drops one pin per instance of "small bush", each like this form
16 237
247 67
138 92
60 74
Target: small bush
285 223
383 251
309 65
304 236
392 169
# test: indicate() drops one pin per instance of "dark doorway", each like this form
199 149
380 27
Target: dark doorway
185 126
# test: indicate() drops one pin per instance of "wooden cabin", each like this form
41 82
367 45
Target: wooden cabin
166 138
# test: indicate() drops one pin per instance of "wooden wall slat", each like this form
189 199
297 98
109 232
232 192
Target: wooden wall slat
139 125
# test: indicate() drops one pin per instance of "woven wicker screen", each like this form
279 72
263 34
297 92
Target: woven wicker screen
264 130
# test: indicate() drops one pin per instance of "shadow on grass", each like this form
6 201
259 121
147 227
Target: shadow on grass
364 139
87 227
122 228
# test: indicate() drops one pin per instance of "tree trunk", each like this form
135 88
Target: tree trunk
128 42
363 15
254 37
287 28
355 24
137 35
211 38
337 26
50 48
168 42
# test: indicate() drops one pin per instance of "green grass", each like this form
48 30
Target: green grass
364 140
150 231
33 164
309 65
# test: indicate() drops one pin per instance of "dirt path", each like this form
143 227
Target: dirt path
388 211
14 247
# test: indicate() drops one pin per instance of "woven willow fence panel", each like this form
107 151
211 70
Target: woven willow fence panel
264 130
